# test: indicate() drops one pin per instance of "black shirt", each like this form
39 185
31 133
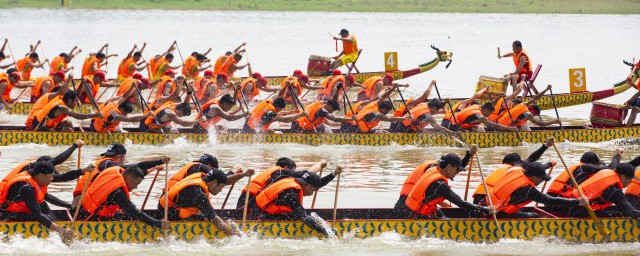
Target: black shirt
119 197
22 191
143 165
530 193
195 196
290 198
440 188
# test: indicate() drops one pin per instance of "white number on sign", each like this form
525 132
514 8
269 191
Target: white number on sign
390 62
579 78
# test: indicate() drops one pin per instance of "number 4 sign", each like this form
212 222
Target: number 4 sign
390 61
577 80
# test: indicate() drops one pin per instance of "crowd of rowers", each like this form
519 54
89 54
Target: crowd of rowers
277 193
172 98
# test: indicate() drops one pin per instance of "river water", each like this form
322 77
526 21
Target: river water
278 43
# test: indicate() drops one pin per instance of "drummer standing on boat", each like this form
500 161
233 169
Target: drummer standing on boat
522 62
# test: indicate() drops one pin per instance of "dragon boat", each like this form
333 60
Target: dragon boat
354 223
10 135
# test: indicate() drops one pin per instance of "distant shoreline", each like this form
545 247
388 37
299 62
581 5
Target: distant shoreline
427 6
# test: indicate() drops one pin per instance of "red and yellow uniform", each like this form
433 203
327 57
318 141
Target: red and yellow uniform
126 69
266 199
416 197
159 68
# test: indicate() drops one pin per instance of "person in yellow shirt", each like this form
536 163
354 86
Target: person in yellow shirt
349 52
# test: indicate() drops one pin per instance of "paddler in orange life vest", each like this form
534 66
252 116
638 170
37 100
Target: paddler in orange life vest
333 86
169 113
522 63
632 192
521 112
155 63
349 53
204 165
131 63
421 114
4 56
230 65
427 186
282 200
320 112
25 196
28 63
138 81
374 85
370 115
94 62
250 87
217 66
115 111
8 81
52 116
605 192
169 83
93 83
61 62
193 65
215 110
296 85
211 90
508 161
267 112
469 115
45 84
517 188
56 93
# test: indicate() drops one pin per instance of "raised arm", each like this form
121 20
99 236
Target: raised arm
538 96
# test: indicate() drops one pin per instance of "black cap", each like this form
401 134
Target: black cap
216 175
628 170
310 178
209 159
536 169
453 160
115 149
591 158
511 159
344 31
42 167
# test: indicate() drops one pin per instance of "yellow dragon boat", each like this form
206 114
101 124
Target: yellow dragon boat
10 135
356 223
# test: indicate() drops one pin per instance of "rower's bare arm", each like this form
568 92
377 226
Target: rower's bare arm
173 117
539 95
338 119
432 121
522 60
140 67
290 118
495 125
103 47
382 117
270 88
174 67
221 225
7 66
67 111
385 95
226 116
3 86
233 178
541 122
138 118
424 97
24 84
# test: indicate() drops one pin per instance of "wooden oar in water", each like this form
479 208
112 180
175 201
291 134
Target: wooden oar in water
95 105
246 204
335 202
484 184
315 194
466 189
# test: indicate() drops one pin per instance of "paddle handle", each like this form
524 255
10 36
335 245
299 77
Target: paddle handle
504 104
84 190
315 194
466 190
155 177
335 201
166 191
246 202
486 188
228 194
592 214
553 100
544 185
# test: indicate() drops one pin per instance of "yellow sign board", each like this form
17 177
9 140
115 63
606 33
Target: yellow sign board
577 80
390 61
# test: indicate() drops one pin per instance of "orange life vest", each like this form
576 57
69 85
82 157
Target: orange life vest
266 200
512 180
150 120
190 68
107 111
497 110
492 179
166 81
254 92
161 67
93 86
36 90
415 198
191 180
6 95
126 70
21 66
17 170
153 65
364 126
311 123
295 84
331 83
180 175
43 114
226 66
204 95
88 64
448 115
370 86
526 69
260 181
21 207
256 115
463 115
38 106
415 175
96 195
516 111
125 86
419 110
562 185
210 121
91 176
348 114
401 110
218 65
57 64
350 47
594 186
634 187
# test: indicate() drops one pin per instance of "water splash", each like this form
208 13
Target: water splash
325 225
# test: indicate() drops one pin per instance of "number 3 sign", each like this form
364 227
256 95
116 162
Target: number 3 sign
578 80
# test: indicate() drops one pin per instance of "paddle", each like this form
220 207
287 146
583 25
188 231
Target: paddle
166 198
545 182
84 189
553 100
179 52
228 194
9 107
592 214
153 182
459 140
407 109
466 190
297 102
44 55
95 105
246 203
315 194
484 184
335 202
144 103
504 104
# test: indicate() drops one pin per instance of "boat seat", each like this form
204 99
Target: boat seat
530 82
353 65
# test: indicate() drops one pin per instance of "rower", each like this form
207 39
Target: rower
169 113
370 115
202 81
469 115
334 85
522 63
223 58
282 200
163 65
427 186
517 188
52 116
519 114
114 156
8 81
27 64
159 60
215 110
349 53
136 80
56 93
267 112
319 112
107 197
114 112
205 164
4 56
94 62
93 82
193 66
61 62
130 64
189 199
25 197
211 89
605 192
251 86
421 114
167 85
230 65
502 102
375 84
508 161
632 192
46 84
